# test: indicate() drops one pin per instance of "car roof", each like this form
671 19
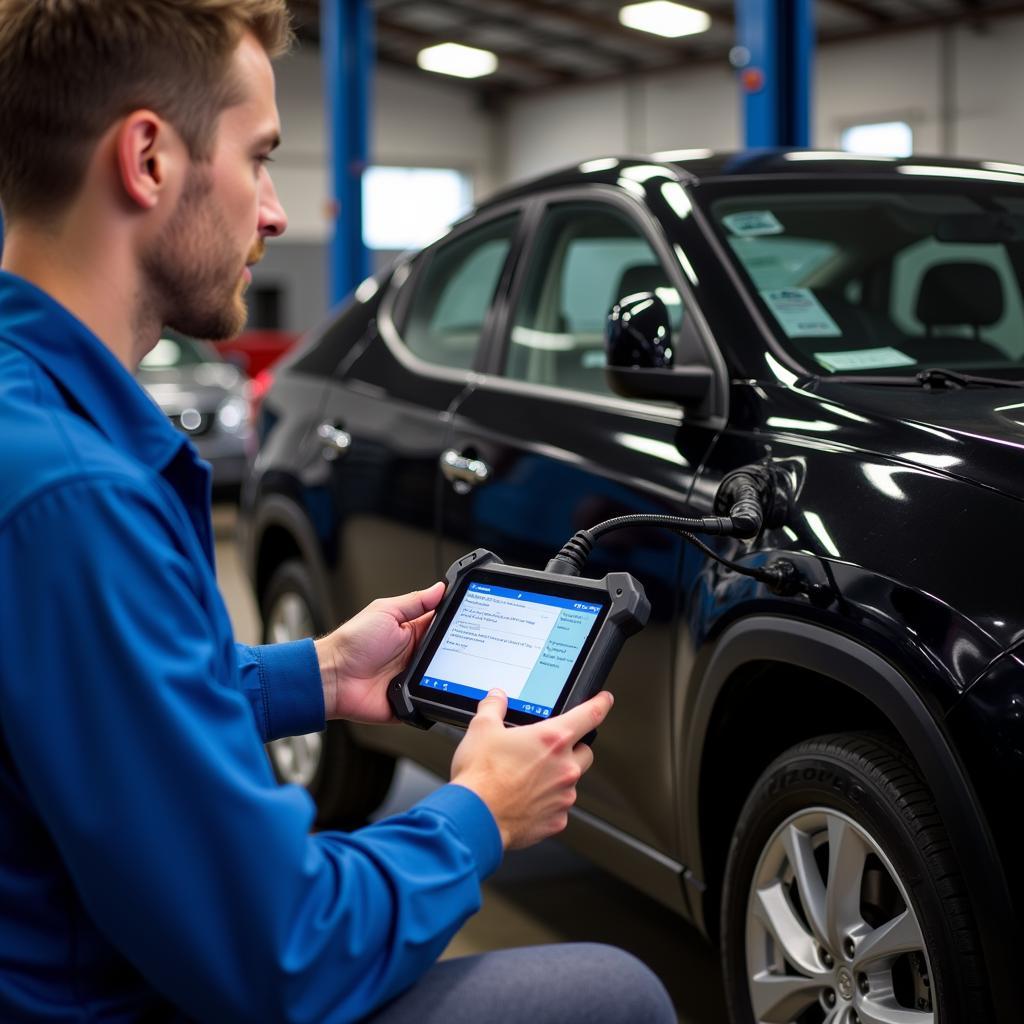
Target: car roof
696 166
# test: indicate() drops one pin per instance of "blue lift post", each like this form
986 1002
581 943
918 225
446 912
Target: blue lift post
776 41
347 56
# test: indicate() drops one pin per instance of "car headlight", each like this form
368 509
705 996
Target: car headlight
233 415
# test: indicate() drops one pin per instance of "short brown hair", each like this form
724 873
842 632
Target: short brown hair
70 68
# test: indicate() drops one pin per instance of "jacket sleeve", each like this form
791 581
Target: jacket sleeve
282 684
126 723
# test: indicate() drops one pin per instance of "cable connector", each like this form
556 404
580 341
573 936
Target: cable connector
573 556
782 577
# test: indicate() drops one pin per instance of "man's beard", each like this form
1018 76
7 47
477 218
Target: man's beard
193 279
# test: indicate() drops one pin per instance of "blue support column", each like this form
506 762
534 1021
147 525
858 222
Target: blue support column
775 39
347 54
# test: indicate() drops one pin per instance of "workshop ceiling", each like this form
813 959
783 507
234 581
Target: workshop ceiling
542 44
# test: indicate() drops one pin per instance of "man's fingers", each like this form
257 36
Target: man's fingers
493 706
588 715
583 756
411 606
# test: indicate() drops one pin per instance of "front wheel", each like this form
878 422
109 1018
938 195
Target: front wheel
347 782
843 903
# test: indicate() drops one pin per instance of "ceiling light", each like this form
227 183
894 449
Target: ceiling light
665 18
456 59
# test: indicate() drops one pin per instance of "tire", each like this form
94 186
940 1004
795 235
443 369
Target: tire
888 930
347 782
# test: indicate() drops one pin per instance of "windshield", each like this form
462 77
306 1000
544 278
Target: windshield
885 282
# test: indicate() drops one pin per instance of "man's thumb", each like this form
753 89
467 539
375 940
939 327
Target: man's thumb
493 706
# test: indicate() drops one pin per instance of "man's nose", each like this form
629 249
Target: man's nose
273 219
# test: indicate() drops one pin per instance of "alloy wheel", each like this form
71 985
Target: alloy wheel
831 936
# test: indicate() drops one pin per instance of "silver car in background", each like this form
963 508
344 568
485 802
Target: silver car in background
206 398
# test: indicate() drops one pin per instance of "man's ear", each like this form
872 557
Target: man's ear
149 158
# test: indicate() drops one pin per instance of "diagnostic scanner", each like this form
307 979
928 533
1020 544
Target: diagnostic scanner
547 639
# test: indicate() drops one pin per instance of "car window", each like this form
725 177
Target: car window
884 281
453 295
586 258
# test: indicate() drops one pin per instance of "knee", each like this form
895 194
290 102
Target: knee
619 987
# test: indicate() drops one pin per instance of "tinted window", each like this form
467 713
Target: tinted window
886 282
587 257
454 293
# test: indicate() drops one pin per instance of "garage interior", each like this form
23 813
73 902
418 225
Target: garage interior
573 84
401 118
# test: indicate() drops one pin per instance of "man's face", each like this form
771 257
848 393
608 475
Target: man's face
197 270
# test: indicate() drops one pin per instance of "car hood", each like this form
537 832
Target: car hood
976 434
202 387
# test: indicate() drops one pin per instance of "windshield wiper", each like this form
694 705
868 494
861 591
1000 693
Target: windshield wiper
936 376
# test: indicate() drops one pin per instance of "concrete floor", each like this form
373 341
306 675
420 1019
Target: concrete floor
544 894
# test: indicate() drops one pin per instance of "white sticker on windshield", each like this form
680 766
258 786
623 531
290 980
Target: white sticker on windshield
753 222
800 314
864 359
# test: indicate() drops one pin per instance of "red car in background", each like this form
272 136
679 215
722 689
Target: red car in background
253 351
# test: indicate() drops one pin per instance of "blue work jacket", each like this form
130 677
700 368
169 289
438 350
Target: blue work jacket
150 865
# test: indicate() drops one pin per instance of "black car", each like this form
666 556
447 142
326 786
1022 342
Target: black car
824 772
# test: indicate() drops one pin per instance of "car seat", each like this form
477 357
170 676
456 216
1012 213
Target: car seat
965 294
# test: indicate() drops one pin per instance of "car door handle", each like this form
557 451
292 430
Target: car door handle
334 442
463 471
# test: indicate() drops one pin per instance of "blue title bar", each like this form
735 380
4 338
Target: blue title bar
534 598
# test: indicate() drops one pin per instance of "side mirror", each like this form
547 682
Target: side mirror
640 359
639 333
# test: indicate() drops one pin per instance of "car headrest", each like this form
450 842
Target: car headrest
960 293
642 277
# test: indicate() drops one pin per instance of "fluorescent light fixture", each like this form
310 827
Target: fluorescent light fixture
458 60
665 18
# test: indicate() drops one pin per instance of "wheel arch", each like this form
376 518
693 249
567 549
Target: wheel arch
280 532
861 690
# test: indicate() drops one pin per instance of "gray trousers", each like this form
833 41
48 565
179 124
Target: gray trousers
558 984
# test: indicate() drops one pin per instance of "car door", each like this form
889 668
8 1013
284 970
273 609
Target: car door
388 410
553 451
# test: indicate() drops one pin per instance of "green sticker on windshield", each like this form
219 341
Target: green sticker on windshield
864 359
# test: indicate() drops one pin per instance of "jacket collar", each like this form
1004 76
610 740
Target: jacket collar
87 372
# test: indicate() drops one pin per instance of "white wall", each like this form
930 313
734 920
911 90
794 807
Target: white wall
416 122
961 91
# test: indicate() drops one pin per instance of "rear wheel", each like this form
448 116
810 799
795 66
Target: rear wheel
843 903
348 782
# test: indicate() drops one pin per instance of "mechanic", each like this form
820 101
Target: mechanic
150 866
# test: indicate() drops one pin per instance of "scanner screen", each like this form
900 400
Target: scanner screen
524 642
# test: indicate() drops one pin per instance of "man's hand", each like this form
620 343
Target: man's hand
360 658
527 775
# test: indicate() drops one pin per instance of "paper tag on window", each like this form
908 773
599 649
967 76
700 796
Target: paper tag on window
750 223
800 314
864 359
